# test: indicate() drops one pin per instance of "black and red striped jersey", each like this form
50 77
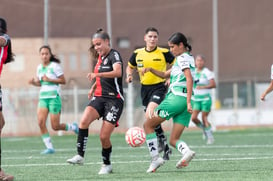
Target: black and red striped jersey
109 87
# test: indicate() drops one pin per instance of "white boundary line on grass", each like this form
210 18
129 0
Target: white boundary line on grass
143 147
139 161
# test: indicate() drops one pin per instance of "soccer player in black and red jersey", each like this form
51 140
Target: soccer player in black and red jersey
107 101
6 56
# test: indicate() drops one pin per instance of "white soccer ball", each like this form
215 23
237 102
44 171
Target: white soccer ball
135 136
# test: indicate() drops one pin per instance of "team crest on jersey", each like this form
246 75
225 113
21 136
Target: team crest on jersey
105 61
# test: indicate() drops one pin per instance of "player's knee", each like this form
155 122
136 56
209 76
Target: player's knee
55 127
104 138
41 123
194 118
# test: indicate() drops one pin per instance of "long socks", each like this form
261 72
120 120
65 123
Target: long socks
151 140
82 141
106 154
47 141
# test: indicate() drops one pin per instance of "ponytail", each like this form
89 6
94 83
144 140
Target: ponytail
188 46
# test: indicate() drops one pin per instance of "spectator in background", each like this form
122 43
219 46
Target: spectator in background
6 56
204 82
49 77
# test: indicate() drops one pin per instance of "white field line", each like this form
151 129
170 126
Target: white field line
142 147
174 155
138 161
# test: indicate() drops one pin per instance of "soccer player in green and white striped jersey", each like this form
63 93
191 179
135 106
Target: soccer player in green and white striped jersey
176 104
49 76
204 81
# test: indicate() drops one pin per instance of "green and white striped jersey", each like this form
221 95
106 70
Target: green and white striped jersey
52 71
202 78
177 79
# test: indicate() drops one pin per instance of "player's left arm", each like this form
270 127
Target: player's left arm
189 84
59 74
59 80
211 85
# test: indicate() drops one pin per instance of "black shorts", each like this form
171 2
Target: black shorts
109 109
153 93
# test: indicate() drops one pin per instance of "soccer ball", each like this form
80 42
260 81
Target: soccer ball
135 136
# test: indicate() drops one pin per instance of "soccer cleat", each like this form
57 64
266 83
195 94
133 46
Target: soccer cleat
5 177
105 169
48 151
76 128
155 164
210 141
185 160
167 153
77 159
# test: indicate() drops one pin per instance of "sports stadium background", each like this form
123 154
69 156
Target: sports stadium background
245 41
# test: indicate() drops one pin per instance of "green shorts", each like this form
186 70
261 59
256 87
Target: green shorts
175 107
54 105
204 106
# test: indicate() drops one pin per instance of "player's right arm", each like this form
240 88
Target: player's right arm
92 90
129 74
34 81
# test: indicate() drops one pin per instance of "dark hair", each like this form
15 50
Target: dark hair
93 53
178 38
3 30
3 25
101 34
52 57
151 29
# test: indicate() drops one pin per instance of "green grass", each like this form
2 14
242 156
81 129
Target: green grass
236 155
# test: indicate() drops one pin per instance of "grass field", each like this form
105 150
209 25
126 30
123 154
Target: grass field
236 155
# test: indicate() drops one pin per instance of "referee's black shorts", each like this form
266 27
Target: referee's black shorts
153 93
